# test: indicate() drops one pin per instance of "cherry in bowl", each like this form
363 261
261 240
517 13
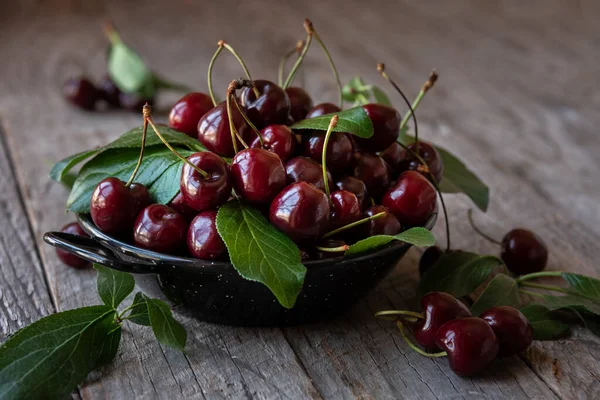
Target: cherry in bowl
160 228
203 239
272 106
188 110
205 193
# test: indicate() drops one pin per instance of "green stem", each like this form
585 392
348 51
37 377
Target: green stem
111 33
210 68
414 347
539 275
284 60
353 224
332 124
292 74
527 292
232 128
120 316
236 55
141 157
332 64
546 287
399 312
333 249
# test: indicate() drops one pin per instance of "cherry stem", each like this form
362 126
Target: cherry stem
332 125
148 117
235 135
237 56
210 68
285 58
333 249
292 73
424 89
111 33
480 232
534 294
353 224
539 275
139 162
410 344
546 287
401 313
254 128
309 27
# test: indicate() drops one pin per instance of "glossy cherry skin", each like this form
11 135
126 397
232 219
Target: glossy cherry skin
178 204
374 172
512 329
302 169
345 209
301 211
71 259
214 133
386 124
438 308
139 196
322 109
81 93
429 154
384 225
393 156
203 240
134 102
258 175
278 139
160 228
113 207
186 113
300 103
355 186
339 149
271 107
109 92
201 193
412 199
523 252
470 343
428 258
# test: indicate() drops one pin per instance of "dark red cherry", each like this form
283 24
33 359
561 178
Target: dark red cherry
393 155
214 133
512 329
374 172
438 308
202 193
109 92
300 103
301 211
384 225
271 107
470 343
71 259
386 124
322 109
81 93
186 113
114 206
345 209
139 196
160 228
178 204
203 240
304 169
429 154
278 139
428 258
339 149
258 175
412 199
355 186
523 252
134 102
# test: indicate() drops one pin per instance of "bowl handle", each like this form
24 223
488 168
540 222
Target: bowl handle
92 251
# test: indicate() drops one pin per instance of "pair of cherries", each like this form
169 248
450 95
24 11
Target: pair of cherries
82 93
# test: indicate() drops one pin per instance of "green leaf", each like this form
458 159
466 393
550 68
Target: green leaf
354 120
578 303
50 357
113 286
357 92
62 168
416 236
501 291
583 285
547 325
139 310
261 253
458 273
166 329
128 71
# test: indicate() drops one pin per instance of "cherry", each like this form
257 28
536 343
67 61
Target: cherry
345 209
412 199
271 107
203 240
201 193
512 328
81 93
374 172
214 133
278 139
429 154
523 252
339 150
160 228
386 123
393 156
178 204
109 92
428 258
186 113
470 343
133 101
300 103
140 196
305 169
384 225
258 175
71 259
355 186
438 308
301 211
114 206
322 109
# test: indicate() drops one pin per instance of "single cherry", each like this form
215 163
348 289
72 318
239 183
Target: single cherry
470 343
109 92
81 93
523 252
428 153
384 225
412 199
258 175
301 211
512 328
114 206
428 258
186 113
202 193
278 139
178 204
300 103
71 259
160 228
214 133
355 186
374 172
339 149
140 197
304 169
393 156
386 123
271 107
203 240
345 209
322 109
438 308
133 101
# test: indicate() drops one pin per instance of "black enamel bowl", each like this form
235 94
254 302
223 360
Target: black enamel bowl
215 292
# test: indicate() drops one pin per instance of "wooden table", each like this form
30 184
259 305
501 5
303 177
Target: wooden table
518 99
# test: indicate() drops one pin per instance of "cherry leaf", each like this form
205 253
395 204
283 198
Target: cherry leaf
547 325
167 329
113 286
416 236
354 120
501 291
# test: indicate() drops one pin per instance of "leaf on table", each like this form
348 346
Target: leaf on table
354 120
113 286
579 303
50 357
139 310
259 252
128 71
582 285
416 236
547 325
501 291
167 330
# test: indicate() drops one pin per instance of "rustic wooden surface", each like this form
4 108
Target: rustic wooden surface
518 99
